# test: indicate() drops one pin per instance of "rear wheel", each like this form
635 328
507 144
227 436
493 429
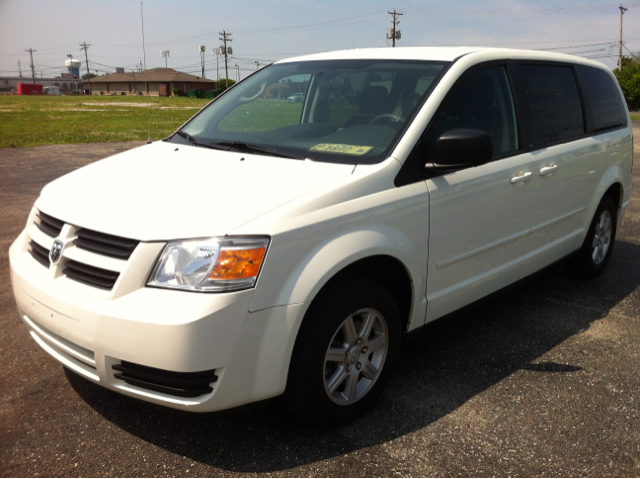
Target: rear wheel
346 348
598 244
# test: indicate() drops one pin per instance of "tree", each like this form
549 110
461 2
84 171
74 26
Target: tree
629 79
87 76
222 84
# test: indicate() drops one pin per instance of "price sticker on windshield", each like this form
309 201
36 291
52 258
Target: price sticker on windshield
342 149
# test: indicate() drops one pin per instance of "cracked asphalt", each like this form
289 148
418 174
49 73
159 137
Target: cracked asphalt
543 380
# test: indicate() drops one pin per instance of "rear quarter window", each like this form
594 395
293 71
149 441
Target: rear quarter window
602 98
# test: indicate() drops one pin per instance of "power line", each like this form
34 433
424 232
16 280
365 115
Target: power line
535 11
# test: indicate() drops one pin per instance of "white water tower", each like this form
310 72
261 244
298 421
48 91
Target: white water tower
73 66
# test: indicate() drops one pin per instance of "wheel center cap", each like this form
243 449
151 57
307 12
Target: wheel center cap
354 355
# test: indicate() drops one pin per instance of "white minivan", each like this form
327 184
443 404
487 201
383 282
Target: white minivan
273 248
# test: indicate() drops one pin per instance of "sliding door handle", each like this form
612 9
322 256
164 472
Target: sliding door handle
521 177
548 169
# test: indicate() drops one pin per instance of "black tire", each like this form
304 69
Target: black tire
596 250
327 324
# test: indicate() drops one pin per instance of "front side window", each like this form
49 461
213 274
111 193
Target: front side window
481 101
346 111
552 104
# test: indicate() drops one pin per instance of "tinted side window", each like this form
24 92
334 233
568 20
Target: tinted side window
552 104
480 101
602 98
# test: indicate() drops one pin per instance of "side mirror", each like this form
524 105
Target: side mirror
463 148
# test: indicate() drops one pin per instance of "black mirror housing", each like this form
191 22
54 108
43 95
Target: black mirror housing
463 148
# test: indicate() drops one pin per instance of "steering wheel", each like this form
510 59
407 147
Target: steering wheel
387 118
246 99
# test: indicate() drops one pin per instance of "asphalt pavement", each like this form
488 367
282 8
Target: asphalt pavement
543 380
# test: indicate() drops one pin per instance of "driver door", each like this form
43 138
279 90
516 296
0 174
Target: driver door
479 217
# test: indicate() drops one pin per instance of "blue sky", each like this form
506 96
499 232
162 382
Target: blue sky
267 31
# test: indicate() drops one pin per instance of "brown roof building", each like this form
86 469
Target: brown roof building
155 82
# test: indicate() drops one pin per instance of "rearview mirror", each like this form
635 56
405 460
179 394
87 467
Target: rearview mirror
463 148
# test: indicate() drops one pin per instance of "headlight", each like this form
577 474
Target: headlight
213 265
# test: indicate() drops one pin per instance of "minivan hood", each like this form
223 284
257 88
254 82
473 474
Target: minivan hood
163 191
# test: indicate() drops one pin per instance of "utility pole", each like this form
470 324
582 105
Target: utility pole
33 72
226 37
622 10
19 69
85 47
165 54
394 33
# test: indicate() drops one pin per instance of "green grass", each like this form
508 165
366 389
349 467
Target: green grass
262 115
268 114
50 120
635 117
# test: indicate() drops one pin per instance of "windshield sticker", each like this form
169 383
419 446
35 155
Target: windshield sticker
343 149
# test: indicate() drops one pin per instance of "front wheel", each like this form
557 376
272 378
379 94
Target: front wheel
598 244
346 348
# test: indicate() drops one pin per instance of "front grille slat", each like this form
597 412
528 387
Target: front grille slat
102 249
104 244
169 382
48 224
39 253
98 277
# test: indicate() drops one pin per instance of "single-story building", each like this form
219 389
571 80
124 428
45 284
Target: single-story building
153 82
10 84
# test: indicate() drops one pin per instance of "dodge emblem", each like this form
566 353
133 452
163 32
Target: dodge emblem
56 251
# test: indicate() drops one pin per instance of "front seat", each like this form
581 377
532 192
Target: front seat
374 101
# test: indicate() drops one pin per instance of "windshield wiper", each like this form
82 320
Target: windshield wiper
195 142
250 148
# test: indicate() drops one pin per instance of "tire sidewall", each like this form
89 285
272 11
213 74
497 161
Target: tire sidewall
306 389
584 264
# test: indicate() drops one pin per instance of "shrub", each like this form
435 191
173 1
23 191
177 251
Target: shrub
222 84
629 79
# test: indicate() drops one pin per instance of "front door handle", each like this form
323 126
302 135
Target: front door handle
548 169
521 177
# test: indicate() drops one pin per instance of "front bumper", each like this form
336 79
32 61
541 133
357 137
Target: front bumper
170 330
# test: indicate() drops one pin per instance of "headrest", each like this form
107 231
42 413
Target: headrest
374 100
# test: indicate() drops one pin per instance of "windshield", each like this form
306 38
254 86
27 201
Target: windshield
345 111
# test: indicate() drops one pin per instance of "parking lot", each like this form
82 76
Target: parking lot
543 380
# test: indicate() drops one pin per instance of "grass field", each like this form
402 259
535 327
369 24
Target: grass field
49 120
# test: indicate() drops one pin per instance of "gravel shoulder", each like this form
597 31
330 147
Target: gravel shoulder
543 380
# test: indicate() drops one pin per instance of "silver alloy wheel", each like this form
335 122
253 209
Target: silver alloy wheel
355 356
602 237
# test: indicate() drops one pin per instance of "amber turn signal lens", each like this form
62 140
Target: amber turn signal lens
239 263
